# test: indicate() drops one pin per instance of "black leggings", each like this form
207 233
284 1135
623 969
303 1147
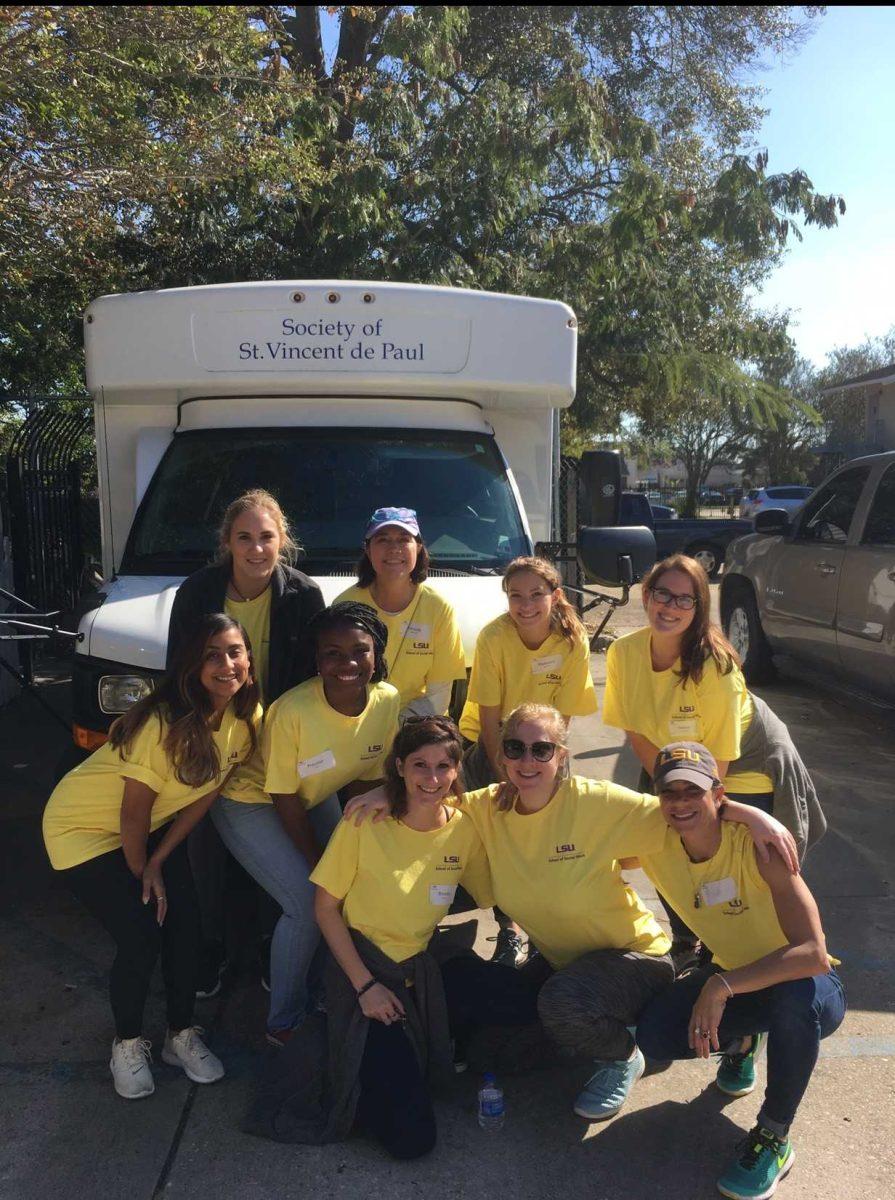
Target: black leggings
394 1104
110 893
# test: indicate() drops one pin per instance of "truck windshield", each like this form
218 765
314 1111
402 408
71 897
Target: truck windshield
329 481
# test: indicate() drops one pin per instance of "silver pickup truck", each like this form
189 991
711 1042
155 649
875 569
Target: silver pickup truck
818 585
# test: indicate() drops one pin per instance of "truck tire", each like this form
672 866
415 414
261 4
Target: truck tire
709 556
742 624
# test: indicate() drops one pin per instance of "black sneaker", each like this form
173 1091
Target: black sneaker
212 965
510 949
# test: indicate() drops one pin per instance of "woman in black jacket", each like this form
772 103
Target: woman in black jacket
252 582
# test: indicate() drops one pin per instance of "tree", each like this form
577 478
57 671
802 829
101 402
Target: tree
704 433
842 413
599 154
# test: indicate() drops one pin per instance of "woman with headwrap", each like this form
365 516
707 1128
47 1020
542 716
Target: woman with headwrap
327 735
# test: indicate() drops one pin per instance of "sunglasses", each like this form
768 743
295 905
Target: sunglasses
680 600
540 751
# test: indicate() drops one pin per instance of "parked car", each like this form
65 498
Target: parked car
704 538
790 497
746 502
819 585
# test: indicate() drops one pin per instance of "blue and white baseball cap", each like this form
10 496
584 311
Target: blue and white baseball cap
404 518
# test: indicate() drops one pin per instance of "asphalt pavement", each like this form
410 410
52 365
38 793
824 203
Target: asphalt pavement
66 1133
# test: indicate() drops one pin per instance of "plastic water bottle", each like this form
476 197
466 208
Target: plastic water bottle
491 1106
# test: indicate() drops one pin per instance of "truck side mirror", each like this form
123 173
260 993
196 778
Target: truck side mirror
772 520
618 556
600 486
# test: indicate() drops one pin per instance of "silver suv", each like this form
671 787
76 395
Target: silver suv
819 585
790 497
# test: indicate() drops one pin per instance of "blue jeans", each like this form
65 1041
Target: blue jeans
795 1016
254 835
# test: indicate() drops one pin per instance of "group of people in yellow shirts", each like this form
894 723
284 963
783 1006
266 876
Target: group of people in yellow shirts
276 713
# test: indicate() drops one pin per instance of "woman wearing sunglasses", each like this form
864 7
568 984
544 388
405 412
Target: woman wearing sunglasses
553 843
679 679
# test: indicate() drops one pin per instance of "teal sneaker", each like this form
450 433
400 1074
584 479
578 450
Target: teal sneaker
736 1073
763 1161
608 1088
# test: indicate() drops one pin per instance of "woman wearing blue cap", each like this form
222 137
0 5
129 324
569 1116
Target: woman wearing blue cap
425 652
770 972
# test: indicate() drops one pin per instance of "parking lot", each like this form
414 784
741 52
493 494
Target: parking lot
67 1134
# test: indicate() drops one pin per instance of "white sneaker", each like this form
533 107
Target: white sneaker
130 1068
186 1049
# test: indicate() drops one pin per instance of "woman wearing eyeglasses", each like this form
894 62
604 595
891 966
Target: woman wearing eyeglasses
553 843
679 679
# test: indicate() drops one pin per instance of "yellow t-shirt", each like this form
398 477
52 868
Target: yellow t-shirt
506 673
247 782
398 883
424 643
83 815
715 712
556 873
314 750
735 916
254 616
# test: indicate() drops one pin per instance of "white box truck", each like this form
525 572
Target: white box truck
338 397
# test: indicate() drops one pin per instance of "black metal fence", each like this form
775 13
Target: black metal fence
712 501
48 516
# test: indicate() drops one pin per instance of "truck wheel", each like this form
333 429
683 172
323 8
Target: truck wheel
743 628
709 557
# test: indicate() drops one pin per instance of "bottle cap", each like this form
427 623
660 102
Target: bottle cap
488 1077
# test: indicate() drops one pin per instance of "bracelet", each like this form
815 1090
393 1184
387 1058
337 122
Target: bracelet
726 984
370 983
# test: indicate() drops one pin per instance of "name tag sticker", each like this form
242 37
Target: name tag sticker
548 662
416 631
683 727
324 761
721 891
442 893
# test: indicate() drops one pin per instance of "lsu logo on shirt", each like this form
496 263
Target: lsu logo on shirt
372 752
565 852
451 862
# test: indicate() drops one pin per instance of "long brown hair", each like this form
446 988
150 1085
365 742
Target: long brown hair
563 618
182 702
703 639
257 498
413 735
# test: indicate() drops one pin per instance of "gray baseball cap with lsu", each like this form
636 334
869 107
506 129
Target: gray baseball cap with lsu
689 761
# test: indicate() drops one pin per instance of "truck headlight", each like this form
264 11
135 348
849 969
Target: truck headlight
118 692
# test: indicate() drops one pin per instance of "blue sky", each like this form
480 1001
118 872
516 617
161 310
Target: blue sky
832 111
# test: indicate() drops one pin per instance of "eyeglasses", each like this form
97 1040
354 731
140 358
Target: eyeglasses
513 748
681 600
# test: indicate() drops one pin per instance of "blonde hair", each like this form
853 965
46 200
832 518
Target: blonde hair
545 714
563 618
257 498
552 720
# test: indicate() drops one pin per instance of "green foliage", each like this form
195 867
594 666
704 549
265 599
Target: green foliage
601 155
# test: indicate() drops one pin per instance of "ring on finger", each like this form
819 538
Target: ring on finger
704 1033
